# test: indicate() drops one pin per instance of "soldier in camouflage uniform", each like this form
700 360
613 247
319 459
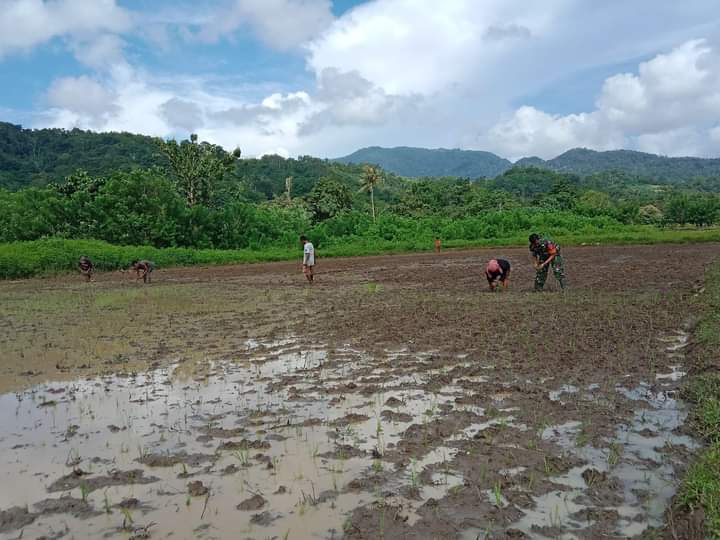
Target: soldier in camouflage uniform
546 254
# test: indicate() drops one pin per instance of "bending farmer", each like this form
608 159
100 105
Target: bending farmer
497 271
546 254
142 269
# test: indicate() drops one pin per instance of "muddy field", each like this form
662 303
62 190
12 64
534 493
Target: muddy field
395 398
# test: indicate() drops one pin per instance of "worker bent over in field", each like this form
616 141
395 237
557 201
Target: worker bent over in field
142 269
497 271
308 263
546 254
86 268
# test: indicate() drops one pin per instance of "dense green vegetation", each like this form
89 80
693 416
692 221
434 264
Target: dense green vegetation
199 196
37 157
701 488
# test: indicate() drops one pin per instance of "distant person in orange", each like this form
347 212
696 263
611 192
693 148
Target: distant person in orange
497 271
438 245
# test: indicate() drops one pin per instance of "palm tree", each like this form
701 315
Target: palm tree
288 188
371 178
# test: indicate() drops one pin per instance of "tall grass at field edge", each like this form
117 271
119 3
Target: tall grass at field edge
701 486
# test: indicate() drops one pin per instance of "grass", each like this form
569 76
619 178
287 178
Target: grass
701 487
58 256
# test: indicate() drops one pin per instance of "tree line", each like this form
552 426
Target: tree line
199 195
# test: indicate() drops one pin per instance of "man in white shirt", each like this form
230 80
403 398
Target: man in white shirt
308 259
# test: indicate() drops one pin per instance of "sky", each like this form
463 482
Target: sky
327 77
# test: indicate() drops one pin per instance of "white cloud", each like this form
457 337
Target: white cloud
100 52
182 114
530 132
408 72
26 23
83 97
669 107
281 24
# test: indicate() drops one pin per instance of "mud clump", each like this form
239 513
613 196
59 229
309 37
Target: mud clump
230 469
352 418
15 518
392 416
66 505
115 478
343 451
197 489
223 433
129 504
365 523
256 502
263 519
232 446
169 460
393 402
593 477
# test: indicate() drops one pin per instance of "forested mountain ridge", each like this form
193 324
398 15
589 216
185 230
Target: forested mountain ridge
424 162
583 161
421 162
35 157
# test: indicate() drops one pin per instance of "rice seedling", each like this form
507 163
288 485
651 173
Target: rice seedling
497 494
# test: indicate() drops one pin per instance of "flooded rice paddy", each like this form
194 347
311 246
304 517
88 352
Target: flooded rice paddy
289 442
257 409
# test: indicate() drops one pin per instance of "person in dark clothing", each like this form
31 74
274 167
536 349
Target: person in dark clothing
497 271
142 269
86 268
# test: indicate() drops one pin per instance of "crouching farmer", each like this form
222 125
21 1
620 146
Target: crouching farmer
497 271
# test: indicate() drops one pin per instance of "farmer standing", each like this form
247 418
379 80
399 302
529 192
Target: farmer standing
546 254
308 263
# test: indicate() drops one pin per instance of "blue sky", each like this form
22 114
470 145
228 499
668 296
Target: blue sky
326 77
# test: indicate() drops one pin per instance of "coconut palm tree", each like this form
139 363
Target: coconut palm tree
371 178
288 188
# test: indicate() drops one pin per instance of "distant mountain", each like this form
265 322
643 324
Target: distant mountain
416 162
34 157
585 162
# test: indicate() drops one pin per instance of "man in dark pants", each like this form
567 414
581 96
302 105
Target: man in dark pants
86 268
142 269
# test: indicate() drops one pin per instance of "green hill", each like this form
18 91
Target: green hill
423 162
666 169
35 157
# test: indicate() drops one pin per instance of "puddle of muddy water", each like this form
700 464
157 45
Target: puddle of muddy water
270 442
226 432
274 441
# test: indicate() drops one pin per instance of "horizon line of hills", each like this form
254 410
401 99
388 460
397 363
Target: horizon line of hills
35 157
